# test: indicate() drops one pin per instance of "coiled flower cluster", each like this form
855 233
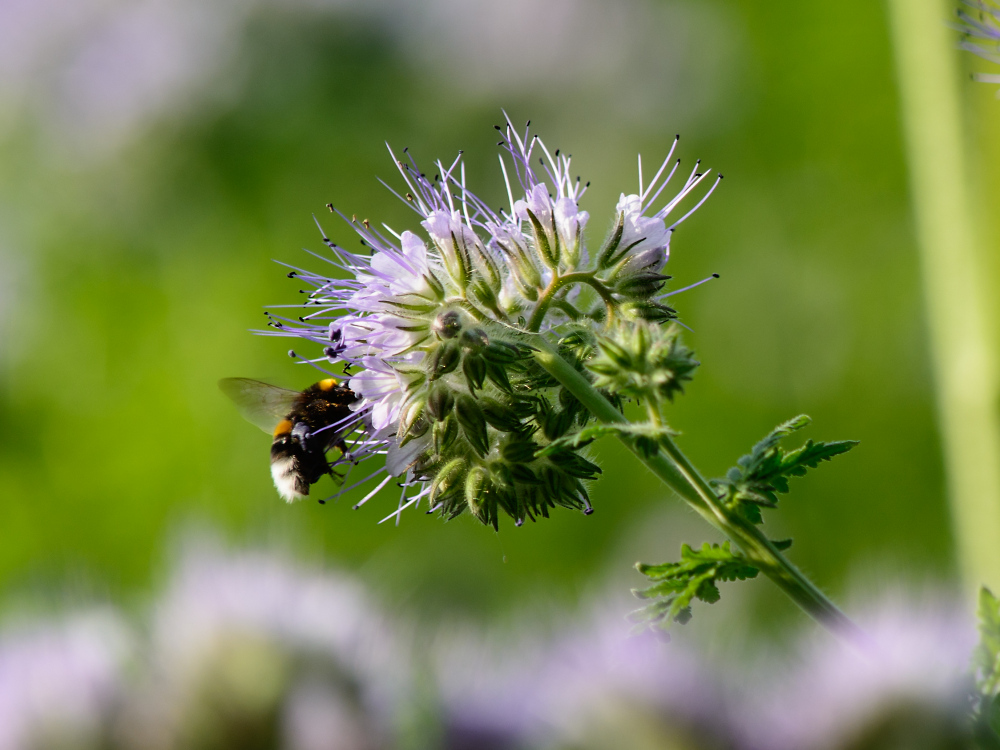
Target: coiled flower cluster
439 329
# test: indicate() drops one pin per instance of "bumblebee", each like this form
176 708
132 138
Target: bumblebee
305 426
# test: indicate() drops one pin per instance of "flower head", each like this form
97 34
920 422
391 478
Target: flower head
437 327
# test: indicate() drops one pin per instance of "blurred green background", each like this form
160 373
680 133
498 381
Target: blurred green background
156 156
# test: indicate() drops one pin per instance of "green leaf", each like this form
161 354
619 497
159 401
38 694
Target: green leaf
986 671
762 474
696 576
986 658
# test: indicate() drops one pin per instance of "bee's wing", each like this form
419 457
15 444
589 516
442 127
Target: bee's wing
260 403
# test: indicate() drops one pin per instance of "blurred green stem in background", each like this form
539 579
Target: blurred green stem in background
954 280
677 472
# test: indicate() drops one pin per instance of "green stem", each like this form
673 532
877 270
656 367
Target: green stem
557 283
680 475
954 277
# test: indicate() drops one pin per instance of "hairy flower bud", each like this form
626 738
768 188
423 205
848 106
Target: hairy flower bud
473 423
448 324
443 360
643 360
441 401
498 416
474 369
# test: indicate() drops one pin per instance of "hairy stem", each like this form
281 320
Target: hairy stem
677 472
557 283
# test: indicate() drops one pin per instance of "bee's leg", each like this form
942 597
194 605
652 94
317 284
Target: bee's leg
342 446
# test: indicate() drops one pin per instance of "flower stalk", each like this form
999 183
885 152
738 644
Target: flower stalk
675 470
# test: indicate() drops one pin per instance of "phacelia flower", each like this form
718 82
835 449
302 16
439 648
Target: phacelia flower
436 327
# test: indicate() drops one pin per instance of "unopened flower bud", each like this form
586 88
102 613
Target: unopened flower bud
477 487
474 368
448 324
411 412
475 339
473 423
641 285
444 360
499 417
523 474
441 401
447 478
518 450
444 434
501 353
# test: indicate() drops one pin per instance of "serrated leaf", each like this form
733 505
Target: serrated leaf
761 475
675 585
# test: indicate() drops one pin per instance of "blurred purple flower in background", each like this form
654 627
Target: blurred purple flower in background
243 644
60 680
908 688
249 649
96 73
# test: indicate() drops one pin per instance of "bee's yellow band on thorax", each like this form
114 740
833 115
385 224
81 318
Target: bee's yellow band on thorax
283 428
327 385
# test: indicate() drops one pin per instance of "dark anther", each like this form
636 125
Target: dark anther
588 184
291 274
715 275
557 152
497 127
322 502
720 175
292 354
677 137
527 124
519 522
499 143
587 511
330 206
